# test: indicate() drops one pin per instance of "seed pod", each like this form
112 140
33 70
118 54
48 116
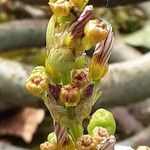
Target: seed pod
86 142
70 95
60 8
80 78
102 118
95 31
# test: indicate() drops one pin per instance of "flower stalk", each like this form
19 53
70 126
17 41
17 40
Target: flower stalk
70 85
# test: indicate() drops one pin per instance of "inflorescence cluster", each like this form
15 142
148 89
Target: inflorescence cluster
69 83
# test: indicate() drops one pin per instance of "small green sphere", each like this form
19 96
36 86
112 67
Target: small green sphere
102 118
62 59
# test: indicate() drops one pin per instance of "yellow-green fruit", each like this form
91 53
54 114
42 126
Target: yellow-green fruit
102 118
62 59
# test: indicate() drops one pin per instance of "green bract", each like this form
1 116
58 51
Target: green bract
102 118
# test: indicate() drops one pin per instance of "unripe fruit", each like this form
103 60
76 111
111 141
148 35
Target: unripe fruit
102 118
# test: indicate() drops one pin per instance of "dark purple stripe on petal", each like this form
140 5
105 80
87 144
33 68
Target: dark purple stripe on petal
89 91
61 133
107 56
103 50
55 90
77 27
108 48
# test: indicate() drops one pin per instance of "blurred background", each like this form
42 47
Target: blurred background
24 121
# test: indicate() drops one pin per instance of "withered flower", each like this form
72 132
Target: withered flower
70 95
80 78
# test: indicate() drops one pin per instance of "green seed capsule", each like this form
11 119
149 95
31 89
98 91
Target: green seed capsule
102 118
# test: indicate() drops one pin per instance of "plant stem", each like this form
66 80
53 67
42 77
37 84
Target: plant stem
71 112
76 130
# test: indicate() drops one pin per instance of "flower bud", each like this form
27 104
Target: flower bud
143 148
102 118
38 69
70 95
80 78
37 82
99 63
80 4
60 8
95 31
75 44
48 146
99 134
80 62
96 71
52 72
86 142
52 138
61 59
